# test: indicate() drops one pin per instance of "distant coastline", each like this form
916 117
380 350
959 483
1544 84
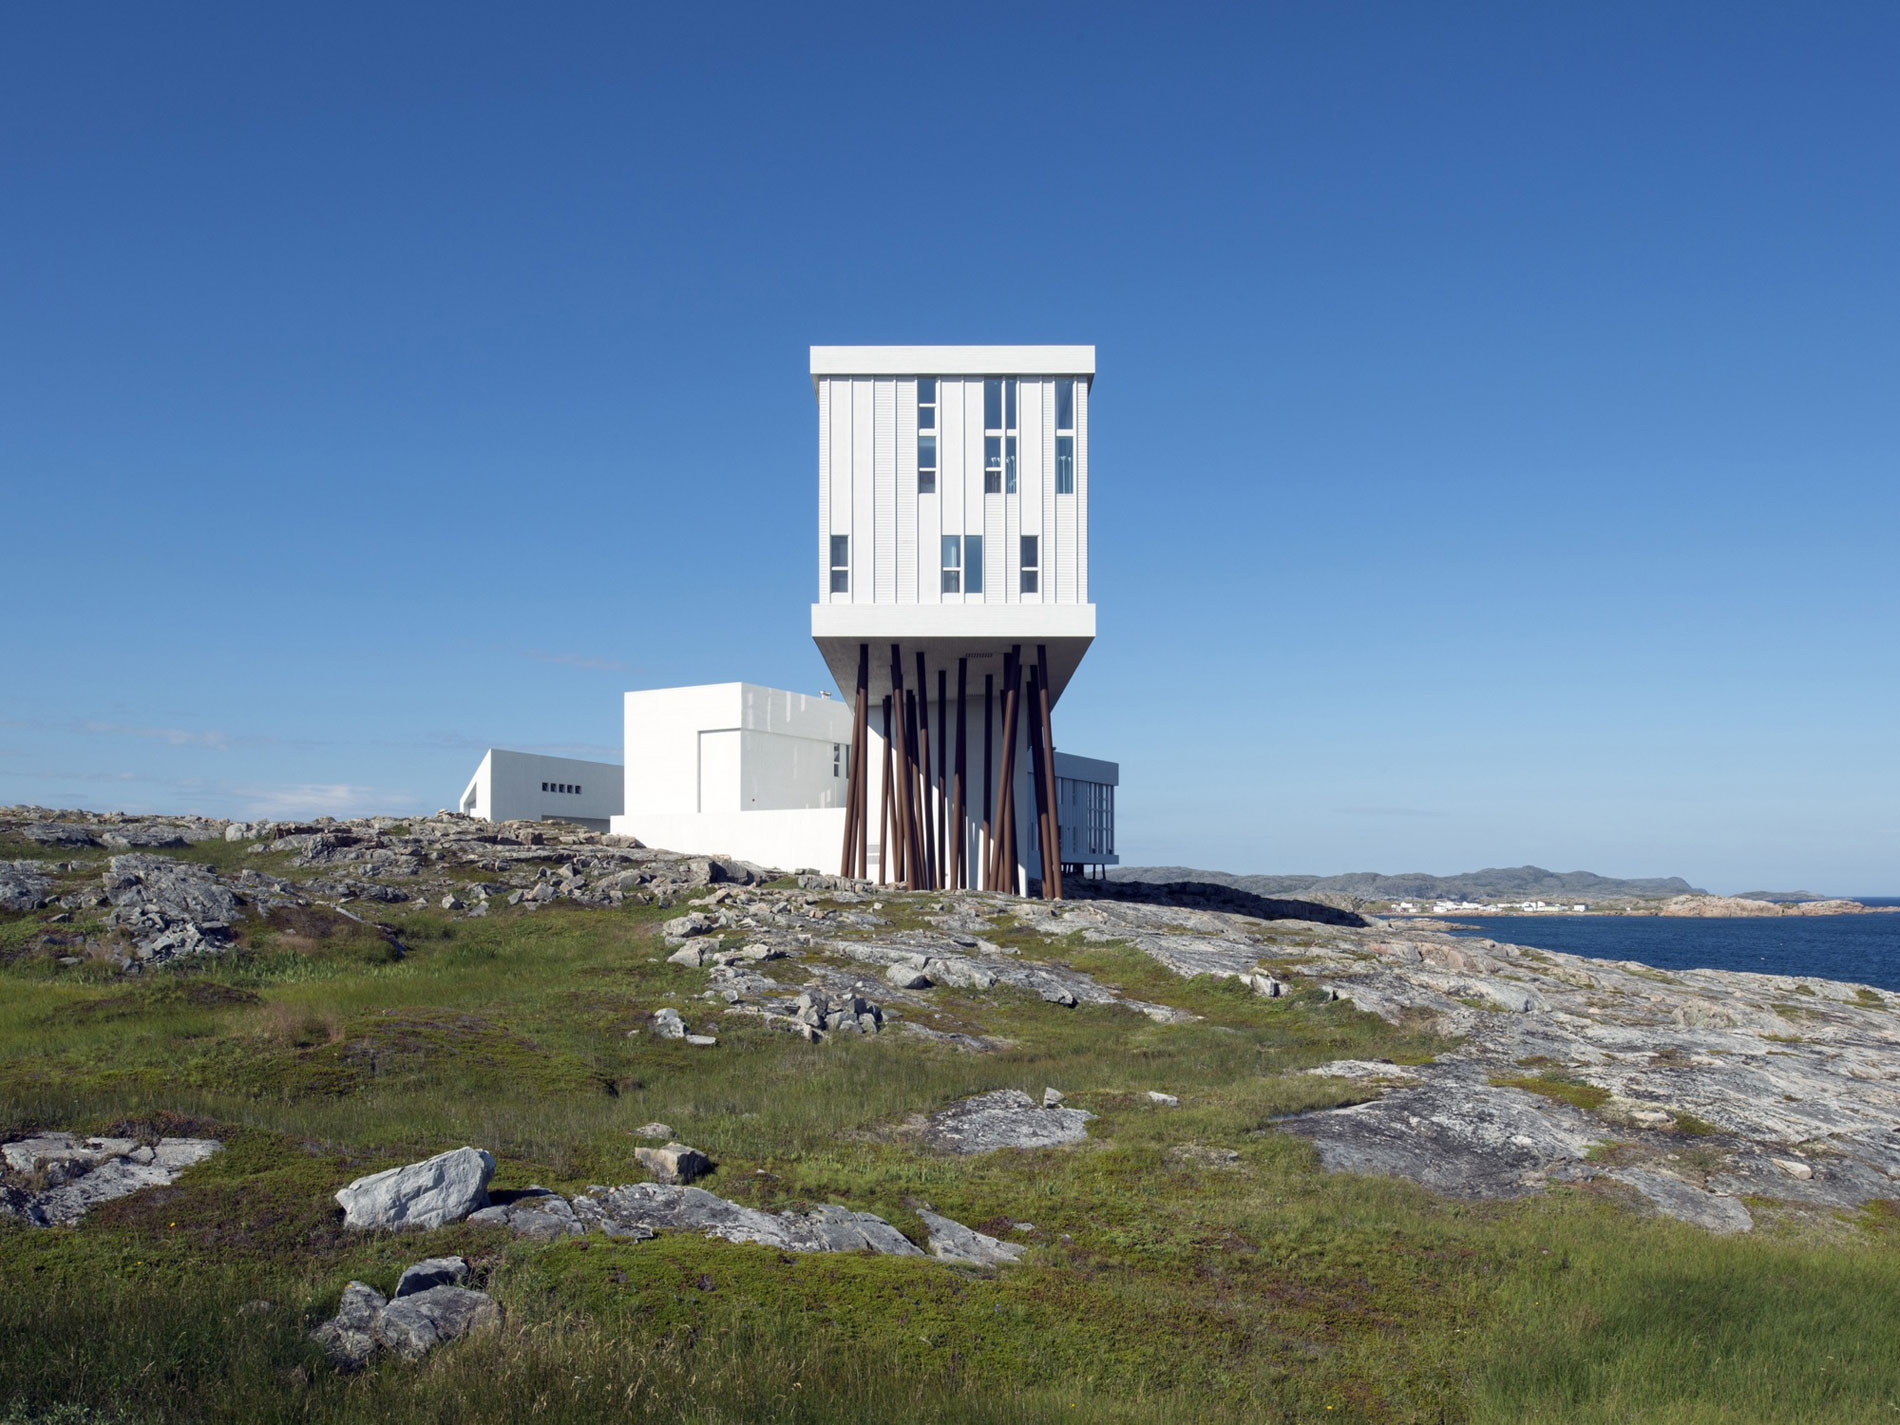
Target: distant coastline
1510 891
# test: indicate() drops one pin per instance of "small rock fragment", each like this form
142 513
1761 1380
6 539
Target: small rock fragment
432 1272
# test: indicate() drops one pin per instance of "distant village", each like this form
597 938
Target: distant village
1487 908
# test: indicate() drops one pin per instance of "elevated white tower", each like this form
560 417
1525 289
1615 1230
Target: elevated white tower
953 601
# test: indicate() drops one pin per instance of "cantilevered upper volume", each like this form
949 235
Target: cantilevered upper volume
953 500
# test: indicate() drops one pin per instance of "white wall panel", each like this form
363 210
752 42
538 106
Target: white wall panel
883 523
863 538
824 488
1077 590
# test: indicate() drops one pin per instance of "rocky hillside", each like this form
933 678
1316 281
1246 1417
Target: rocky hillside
1159 1152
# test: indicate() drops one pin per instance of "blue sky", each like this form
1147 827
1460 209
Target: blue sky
1496 431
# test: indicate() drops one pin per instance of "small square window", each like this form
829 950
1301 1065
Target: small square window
840 581
952 564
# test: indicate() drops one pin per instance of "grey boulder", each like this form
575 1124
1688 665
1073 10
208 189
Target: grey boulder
412 1326
656 1206
432 1272
537 1214
349 1337
675 1163
445 1188
953 1242
22 886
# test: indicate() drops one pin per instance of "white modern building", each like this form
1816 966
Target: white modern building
952 611
525 786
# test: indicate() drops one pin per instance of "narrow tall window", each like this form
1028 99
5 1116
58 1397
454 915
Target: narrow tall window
992 437
1032 564
926 435
841 564
1065 436
952 564
1009 437
973 564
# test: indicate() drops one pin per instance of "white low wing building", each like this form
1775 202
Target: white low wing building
525 786
952 611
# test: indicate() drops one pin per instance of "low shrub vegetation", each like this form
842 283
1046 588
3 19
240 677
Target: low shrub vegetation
1158 1287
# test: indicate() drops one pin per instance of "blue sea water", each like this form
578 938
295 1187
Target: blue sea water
1862 949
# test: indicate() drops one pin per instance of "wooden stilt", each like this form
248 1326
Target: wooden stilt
1005 860
884 804
918 855
904 864
1039 787
943 780
960 866
851 862
1052 867
989 775
928 806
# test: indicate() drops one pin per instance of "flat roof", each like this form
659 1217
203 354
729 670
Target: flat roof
953 361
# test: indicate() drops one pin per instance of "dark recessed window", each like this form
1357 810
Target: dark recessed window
840 563
1032 564
973 564
1065 436
926 436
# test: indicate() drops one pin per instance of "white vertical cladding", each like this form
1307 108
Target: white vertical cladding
906 479
995 507
969 496
953 456
824 490
1030 414
1071 575
841 510
883 525
863 524
904 585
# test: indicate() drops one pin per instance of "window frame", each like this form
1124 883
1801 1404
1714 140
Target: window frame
840 582
950 564
1029 564
931 431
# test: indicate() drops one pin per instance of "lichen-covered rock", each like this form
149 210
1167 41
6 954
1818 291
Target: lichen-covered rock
23 886
1006 1118
349 1336
445 1188
537 1214
657 1207
953 1242
67 1176
412 1326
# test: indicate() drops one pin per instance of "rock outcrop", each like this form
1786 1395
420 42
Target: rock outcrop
656 1207
54 1178
1006 1118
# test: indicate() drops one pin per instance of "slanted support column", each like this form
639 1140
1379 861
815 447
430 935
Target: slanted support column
885 822
930 859
988 785
1004 860
945 859
960 860
1039 787
1052 836
852 860
905 839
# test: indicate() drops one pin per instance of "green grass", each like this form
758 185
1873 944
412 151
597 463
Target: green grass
1574 1092
1153 1291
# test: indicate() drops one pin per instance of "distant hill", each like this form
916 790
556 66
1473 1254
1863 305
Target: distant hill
1495 883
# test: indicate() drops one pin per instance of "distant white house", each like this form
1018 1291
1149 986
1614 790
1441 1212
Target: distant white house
526 786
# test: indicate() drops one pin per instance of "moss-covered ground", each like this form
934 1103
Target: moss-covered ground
1158 1287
